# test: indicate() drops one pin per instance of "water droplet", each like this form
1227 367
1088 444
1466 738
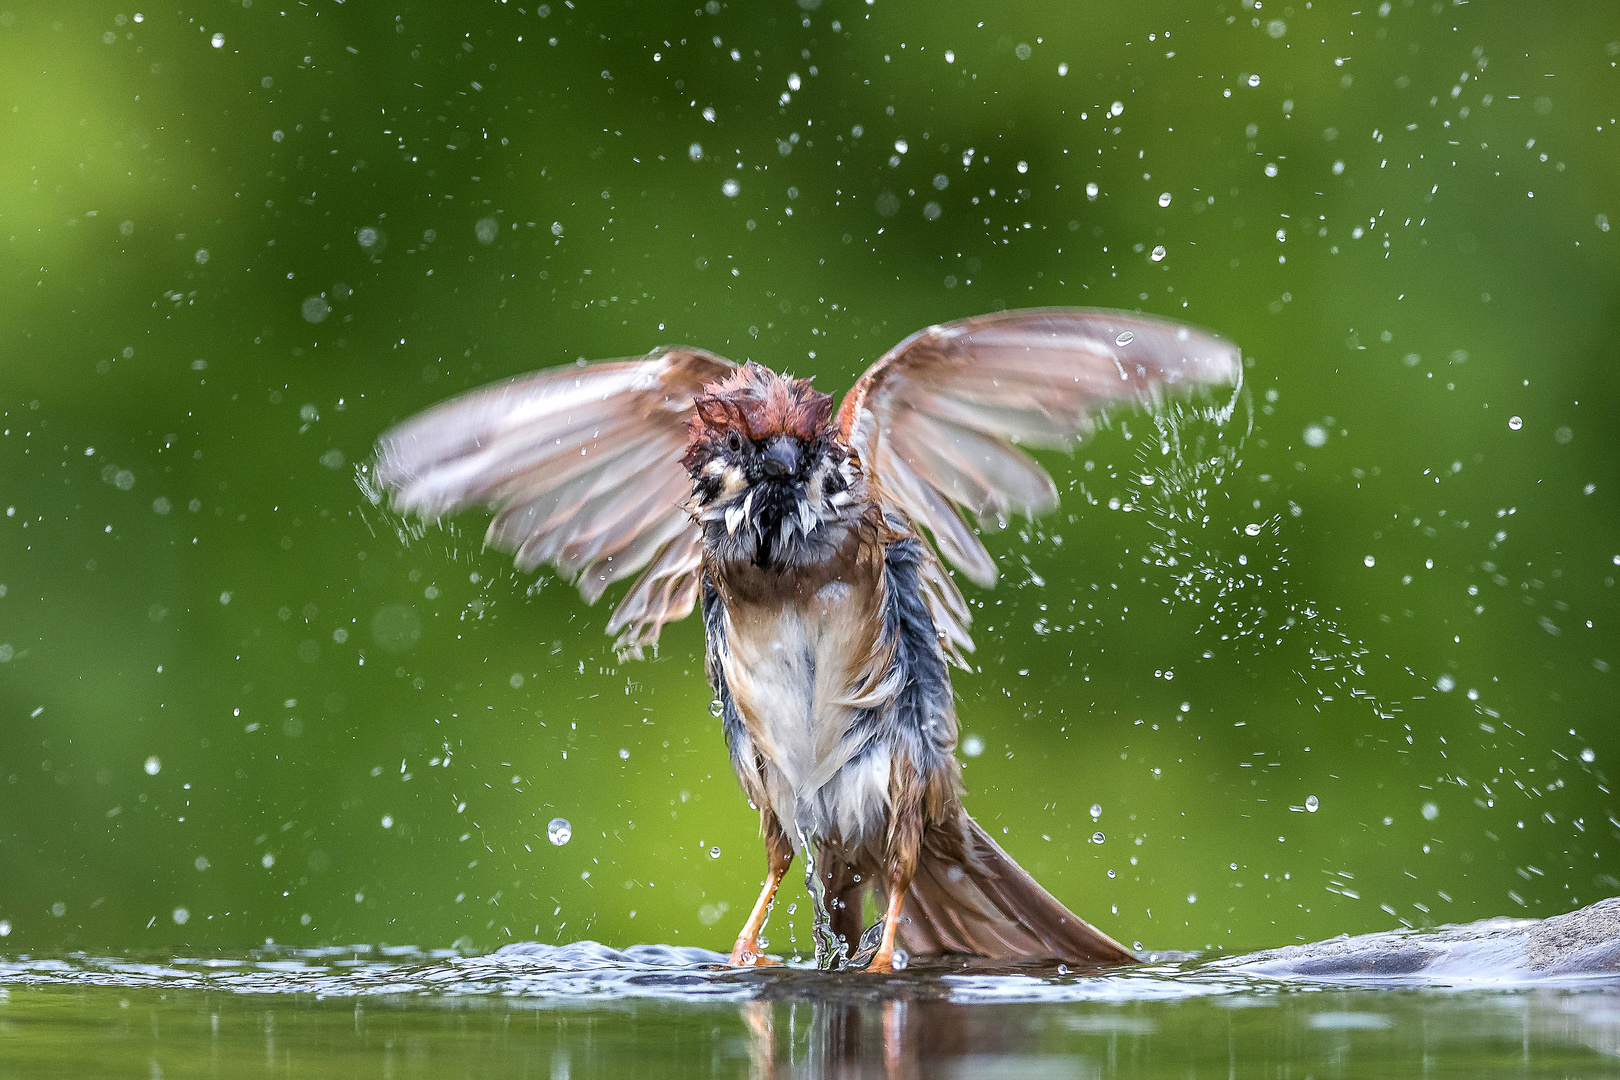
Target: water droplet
695 151
181 916
201 256
388 821
367 237
716 707
1515 423
1254 80
1125 338
1023 166
1157 254
1116 108
1252 528
1588 755
900 960
624 755
900 146
1315 435
486 230
316 309
1445 684
153 765
1370 561
1098 838
1192 898
1310 805
516 680
973 746
714 852
1430 811
558 831
219 43
1023 51
730 188
1096 811
1091 191
5 927
267 861
1164 199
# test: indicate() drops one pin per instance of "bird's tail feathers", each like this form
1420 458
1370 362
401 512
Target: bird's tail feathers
980 902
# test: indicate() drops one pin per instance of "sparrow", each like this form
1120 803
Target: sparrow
819 549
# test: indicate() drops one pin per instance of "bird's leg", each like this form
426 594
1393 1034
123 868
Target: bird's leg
906 790
884 958
778 857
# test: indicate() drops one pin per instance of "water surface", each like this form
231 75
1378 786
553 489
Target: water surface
587 1010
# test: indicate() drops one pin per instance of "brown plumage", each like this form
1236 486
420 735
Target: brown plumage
828 616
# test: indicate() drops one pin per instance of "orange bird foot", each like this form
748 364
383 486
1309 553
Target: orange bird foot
747 954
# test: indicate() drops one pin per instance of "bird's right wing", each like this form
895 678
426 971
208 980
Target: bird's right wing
581 465
939 418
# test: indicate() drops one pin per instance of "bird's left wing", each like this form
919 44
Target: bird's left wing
935 420
582 466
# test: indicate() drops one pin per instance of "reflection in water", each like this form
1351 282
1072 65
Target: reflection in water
585 1009
947 1016
894 1035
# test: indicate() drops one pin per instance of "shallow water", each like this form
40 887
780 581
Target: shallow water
588 1010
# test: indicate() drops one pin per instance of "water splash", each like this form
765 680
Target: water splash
1249 598
1578 948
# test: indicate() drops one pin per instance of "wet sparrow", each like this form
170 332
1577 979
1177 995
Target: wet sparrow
816 546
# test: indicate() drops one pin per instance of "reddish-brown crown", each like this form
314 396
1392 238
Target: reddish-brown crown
757 402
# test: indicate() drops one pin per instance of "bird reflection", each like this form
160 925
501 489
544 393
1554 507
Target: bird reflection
833 1027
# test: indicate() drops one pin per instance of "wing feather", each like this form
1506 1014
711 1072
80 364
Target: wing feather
937 420
581 465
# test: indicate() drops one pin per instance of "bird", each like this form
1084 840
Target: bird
822 550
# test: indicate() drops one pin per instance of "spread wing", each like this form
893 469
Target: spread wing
582 468
935 420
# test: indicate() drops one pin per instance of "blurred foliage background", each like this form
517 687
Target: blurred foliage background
1342 664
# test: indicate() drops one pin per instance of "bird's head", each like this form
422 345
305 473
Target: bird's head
770 483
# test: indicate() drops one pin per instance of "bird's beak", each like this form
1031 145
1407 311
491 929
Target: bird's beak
781 457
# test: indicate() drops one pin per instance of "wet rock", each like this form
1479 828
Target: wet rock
1579 944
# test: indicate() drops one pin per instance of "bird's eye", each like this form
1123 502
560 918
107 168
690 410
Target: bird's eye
734 441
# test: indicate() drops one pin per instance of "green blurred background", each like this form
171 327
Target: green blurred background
1339 665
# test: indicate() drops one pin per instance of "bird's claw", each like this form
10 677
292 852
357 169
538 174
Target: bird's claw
747 954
